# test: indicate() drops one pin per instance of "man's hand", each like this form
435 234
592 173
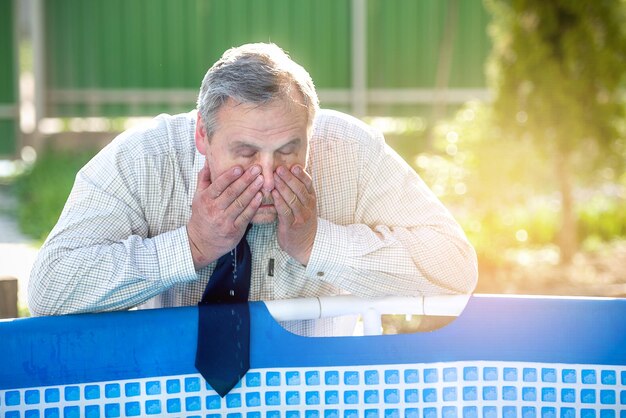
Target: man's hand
296 205
221 211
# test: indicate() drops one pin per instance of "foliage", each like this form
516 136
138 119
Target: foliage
43 189
555 70
502 190
602 218
22 311
499 202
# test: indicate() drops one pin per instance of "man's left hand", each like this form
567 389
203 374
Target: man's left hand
296 205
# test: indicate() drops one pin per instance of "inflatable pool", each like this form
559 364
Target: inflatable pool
504 356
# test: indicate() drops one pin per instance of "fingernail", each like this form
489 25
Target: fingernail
237 171
295 169
255 170
281 170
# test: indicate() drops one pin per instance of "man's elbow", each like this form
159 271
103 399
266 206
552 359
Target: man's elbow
461 276
37 308
470 274
36 299
470 282
40 300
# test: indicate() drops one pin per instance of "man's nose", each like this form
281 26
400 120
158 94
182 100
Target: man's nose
268 168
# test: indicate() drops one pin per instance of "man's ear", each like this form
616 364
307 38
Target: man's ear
201 136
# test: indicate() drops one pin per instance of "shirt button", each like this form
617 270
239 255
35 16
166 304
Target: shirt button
320 273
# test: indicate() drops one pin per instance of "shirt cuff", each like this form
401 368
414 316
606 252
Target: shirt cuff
330 249
174 257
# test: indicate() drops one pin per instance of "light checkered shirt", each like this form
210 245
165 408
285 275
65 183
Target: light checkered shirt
121 240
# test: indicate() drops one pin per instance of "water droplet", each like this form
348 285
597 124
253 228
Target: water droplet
234 255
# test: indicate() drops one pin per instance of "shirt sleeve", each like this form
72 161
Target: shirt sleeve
402 240
100 255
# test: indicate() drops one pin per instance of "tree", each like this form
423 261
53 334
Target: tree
555 72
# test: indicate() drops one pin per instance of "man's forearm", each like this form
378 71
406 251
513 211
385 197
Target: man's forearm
392 261
104 277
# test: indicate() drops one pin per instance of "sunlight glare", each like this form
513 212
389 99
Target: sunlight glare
521 235
452 137
28 154
422 161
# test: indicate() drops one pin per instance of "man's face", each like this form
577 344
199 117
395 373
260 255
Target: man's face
268 135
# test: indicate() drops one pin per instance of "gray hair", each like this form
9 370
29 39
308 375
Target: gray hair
257 74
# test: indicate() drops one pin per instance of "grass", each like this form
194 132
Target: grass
43 189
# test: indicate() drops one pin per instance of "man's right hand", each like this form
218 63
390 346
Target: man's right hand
221 211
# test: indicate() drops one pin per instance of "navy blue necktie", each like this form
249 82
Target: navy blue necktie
223 351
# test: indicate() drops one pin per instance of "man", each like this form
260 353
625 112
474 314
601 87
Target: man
333 209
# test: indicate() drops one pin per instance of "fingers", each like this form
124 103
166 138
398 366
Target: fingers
285 200
293 196
296 207
303 176
247 213
224 181
283 209
295 186
235 189
242 198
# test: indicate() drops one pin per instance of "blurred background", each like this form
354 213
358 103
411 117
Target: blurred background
512 111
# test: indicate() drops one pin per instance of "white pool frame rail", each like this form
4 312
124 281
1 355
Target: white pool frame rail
370 310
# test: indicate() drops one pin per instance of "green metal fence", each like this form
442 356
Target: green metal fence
424 51
405 40
9 116
134 57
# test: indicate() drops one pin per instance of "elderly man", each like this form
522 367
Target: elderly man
325 206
